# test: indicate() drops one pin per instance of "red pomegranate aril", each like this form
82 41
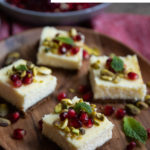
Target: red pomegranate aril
75 123
133 76
14 77
148 133
85 54
61 96
83 117
131 145
108 110
40 124
19 134
71 113
62 49
77 37
63 116
17 83
14 117
108 62
27 80
89 123
74 50
88 96
120 113
67 46
83 89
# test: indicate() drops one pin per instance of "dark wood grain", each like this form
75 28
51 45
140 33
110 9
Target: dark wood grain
26 43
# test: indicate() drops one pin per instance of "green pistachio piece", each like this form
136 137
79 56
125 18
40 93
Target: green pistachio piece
58 108
57 123
132 109
82 131
106 78
67 130
107 73
3 110
64 124
67 101
96 122
147 97
75 131
23 74
73 32
4 122
100 116
116 79
141 105
96 65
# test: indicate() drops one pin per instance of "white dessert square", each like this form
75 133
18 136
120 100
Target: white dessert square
30 91
107 84
92 138
53 53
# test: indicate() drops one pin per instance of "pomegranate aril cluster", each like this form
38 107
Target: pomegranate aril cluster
19 134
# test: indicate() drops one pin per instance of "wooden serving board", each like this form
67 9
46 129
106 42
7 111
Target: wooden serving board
27 43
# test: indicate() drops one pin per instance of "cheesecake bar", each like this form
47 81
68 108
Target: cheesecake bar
23 84
116 78
60 48
76 125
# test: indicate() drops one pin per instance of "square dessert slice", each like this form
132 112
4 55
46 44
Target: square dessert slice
60 48
116 78
76 125
23 84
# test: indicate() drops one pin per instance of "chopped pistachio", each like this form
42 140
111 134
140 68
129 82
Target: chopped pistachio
72 90
3 110
46 41
121 75
67 101
147 97
116 79
106 72
57 123
44 70
96 65
141 105
30 65
75 131
96 122
132 109
82 131
93 105
23 74
34 70
9 72
58 108
4 122
100 116
81 100
73 32
64 124
54 51
93 113
106 78
67 129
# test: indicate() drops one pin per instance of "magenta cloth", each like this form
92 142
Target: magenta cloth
132 30
4 29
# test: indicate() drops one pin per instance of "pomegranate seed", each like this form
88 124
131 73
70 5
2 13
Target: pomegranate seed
89 123
74 50
67 46
71 113
131 145
83 117
108 62
77 37
120 113
148 133
133 76
88 96
17 83
75 123
14 77
85 54
40 124
83 88
63 116
14 117
61 96
27 80
62 49
19 134
108 110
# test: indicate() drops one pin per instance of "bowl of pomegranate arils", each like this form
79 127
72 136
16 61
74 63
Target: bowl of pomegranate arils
43 12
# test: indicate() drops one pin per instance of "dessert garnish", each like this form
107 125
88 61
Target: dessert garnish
19 134
61 96
4 122
3 110
132 109
120 113
109 110
25 73
133 129
74 118
131 145
14 116
64 44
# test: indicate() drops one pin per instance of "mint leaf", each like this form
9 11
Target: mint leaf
134 129
117 64
66 40
83 106
21 68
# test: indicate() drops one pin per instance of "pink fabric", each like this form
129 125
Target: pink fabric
4 29
133 30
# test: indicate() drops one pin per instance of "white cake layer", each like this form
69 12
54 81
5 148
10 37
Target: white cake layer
26 95
93 137
125 89
61 61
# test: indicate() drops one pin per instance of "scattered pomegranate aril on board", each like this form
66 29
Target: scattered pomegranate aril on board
85 54
40 124
109 110
19 134
131 145
88 96
148 133
61 96
120 113
14 117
